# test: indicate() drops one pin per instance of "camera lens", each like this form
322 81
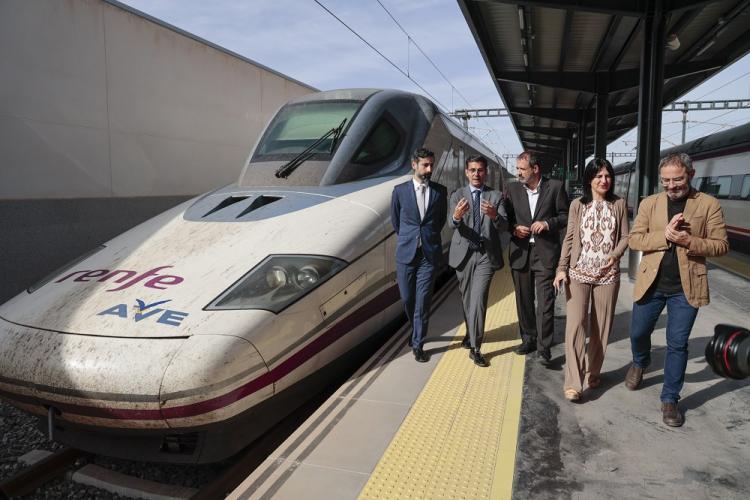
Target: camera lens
728 352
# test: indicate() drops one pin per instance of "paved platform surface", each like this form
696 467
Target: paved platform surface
614 444
448 429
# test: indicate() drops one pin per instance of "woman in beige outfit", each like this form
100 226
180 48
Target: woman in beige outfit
596 238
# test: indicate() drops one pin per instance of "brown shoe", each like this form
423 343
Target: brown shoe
671 415
634 377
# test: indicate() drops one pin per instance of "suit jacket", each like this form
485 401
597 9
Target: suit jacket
410 229
464 233
551 207
571 247
709 239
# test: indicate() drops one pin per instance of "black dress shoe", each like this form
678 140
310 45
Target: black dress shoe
544 358
420 355
479 360
466 343
525 348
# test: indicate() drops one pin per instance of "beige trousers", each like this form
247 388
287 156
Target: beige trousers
582 361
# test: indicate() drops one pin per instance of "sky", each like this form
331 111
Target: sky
299 38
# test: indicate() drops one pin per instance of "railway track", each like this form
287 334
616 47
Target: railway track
76 466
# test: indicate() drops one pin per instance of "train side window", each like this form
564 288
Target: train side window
698 182
745 192
719 187
379 145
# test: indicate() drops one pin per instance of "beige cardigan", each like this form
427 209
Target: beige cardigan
571 248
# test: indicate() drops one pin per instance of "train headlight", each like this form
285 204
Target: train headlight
307 276
276 277
277 282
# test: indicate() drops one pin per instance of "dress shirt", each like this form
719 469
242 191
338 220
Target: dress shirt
426 192
533 198
471 189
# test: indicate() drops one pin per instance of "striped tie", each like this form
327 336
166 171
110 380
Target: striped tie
477 215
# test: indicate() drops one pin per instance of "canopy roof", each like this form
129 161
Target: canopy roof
550 59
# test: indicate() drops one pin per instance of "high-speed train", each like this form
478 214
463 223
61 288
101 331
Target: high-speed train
188 336
722 169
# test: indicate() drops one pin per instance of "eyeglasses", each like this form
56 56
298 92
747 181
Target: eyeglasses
677 181
476 170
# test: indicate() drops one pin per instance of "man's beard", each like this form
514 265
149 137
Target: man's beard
675 194
425 176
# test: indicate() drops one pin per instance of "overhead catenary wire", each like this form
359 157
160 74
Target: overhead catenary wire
719 88
410 40
396 66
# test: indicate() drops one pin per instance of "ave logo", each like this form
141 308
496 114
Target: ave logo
142 311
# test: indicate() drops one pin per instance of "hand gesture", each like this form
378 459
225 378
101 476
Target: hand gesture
538 227
521 232
488 209
678 231
461 208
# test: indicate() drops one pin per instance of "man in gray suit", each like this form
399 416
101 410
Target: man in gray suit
478 216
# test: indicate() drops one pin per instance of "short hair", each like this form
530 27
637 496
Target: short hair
679 159
590 172
421 153
530 157
476 159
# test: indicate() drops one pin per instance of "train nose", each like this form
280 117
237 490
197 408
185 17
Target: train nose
211 378
129 383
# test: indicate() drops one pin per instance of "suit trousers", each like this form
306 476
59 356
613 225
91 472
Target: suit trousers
582 361
415 283
474 278
536 327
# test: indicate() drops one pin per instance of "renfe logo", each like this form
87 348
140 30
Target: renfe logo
104 275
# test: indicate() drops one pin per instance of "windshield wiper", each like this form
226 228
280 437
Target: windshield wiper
285 170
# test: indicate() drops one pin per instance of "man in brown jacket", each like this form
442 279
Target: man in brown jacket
676 230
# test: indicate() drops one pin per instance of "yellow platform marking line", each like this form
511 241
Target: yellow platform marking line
459 439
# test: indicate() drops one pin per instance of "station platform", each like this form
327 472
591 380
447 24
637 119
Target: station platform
449 429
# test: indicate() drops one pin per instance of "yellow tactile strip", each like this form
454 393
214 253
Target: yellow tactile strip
459 439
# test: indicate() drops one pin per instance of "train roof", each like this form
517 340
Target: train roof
338 94
734 137
725 141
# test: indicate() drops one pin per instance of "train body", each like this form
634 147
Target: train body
722 169
189 335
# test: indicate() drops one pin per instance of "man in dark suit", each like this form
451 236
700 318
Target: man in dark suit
418 212
476 253
537 210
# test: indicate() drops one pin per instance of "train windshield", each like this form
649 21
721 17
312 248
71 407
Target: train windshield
297 126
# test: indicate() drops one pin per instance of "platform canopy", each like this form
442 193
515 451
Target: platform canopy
553 60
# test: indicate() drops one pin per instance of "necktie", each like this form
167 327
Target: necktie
477 217
421 191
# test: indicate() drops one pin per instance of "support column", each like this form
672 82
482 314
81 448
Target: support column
581 152
649 112
600 134
650 100
568 162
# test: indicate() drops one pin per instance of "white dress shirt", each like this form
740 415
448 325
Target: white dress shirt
426 192
533 198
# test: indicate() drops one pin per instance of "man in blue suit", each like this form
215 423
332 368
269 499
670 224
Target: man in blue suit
419 209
